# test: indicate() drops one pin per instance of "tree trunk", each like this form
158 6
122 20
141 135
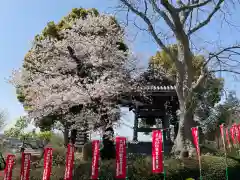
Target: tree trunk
183 144
108 150
65 134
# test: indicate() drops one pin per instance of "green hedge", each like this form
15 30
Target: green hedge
140 169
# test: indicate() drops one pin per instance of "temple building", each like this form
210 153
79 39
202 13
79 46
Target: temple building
155 103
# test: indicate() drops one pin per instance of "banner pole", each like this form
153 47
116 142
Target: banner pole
100 158
199 156
164 172
228 140
99 161
225 150
195 134
127 158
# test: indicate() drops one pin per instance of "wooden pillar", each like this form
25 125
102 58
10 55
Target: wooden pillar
135 127
166 125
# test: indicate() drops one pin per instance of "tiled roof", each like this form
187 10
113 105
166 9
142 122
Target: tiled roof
158 88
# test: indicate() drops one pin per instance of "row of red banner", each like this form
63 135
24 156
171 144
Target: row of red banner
121 159
26 160
25 166
234 133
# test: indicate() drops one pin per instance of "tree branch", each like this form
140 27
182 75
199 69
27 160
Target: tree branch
146 7
163 15
80 66
150 27
204 74
224 70
190 7
206 21
214 55
199 82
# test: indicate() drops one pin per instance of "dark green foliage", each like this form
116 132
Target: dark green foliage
140 168
20 95
2 162
52 30
226 112
122 46
206 96
46 123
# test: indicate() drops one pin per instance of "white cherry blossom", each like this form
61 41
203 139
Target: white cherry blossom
52 82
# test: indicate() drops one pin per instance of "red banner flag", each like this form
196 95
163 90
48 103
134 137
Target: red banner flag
9 167
95 158
236 132
222 130
196 143
233 135
222 134
47 163
69 162
195 139
227 138
25 167
157 151
121 157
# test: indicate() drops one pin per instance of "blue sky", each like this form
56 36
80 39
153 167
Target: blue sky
22 20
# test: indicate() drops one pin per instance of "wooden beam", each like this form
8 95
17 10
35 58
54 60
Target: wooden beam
157 93
142 129
154 107
146 114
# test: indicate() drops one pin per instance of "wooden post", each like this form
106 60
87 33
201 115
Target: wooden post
135 128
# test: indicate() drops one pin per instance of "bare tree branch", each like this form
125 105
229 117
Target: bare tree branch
207 20
193 6
150 27
163 15
146 7
216 55
225 70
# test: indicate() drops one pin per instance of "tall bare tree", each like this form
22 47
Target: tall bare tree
183 19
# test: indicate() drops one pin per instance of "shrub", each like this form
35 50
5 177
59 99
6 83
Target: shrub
59 155
213 168
36 174
57 173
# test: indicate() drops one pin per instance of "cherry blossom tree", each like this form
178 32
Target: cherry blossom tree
77 78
